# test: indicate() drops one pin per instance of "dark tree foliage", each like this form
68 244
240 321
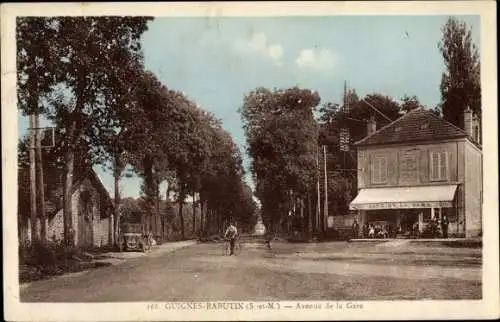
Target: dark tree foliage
461 82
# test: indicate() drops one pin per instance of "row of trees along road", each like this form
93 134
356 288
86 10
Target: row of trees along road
86 75
282 140
283 135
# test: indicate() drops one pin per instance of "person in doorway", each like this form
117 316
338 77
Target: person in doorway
416 229
231 233
371 231
444 226
365 230
355 229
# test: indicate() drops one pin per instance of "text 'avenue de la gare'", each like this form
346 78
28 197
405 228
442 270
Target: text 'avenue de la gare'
255 306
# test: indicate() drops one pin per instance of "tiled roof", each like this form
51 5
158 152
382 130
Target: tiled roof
416 125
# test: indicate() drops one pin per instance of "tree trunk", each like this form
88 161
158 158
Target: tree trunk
165 215
116 175
40 185
181 203
149 190
33 199
217 222
72 136
194 213
301 203
157 212
203 216
69 159
309 217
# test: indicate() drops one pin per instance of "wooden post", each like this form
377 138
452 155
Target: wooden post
33 199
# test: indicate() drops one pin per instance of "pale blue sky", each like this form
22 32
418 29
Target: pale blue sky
216 61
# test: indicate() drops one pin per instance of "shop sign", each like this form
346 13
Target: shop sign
408 167
404 205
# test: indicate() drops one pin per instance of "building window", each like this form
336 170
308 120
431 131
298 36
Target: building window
438 166
379 173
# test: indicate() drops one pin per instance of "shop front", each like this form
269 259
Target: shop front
405 212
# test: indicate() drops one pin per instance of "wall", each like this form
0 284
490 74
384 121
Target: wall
473 190
100 225
416 169
101 237
55 227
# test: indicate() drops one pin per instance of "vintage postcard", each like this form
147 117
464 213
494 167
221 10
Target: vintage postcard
250 161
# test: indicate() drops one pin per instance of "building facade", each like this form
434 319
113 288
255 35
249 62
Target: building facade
417 169
92 212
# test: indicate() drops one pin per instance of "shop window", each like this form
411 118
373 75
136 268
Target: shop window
379 171
438 166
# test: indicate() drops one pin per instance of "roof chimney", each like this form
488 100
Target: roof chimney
468 122
371 126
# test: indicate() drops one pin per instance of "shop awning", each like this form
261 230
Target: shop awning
405 197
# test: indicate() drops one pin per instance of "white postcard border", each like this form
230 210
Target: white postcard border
488 307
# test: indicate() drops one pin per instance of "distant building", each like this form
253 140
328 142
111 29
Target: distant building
260 229
421 167
92 210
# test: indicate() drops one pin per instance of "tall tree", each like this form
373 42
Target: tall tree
89 58
460 83
282 142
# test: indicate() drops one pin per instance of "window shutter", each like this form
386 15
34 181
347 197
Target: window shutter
443 165
432 166
383 170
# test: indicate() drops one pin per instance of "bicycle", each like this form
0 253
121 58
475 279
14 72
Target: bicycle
226 247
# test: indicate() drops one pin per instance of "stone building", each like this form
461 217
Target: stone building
418 168
92 212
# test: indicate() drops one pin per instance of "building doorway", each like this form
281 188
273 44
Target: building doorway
409 219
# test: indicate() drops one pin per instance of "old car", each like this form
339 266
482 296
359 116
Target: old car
133 238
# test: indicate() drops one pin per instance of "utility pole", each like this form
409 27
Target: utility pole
326 193
40 184
318 206
33 213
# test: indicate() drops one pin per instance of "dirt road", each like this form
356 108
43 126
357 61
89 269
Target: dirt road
330 271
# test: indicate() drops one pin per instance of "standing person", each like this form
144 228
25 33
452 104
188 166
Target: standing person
444 226
371 231
355 229
231 233
268 237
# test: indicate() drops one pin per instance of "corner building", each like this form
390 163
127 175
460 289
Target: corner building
418 168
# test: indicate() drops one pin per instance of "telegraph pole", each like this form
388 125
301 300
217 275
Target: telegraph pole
33 213
318 206
40 184
325 215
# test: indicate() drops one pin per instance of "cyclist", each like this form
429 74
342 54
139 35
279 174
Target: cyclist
231 233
